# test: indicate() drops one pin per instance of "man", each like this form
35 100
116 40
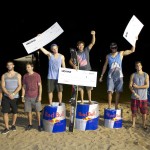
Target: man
11 85
139 83
115 74
56 61
31 94
84 63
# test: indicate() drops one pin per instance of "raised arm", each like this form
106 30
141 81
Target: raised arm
93 40
46 52
128 52
104 69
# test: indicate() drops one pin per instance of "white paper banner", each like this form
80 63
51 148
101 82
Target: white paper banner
77 77
43 39
132 30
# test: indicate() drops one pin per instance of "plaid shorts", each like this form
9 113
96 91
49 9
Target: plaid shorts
141 104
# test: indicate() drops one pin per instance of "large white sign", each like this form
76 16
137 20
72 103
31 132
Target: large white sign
43 39
132 30
77 77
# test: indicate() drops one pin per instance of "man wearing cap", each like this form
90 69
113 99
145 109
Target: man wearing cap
56 60
115 75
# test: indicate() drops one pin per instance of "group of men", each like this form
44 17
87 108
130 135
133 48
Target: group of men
31 85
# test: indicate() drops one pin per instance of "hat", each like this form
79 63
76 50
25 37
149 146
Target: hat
53 45
113 44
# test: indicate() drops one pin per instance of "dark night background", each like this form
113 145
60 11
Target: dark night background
23 21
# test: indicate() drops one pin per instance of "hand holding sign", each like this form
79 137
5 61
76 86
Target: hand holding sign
43 39
132 30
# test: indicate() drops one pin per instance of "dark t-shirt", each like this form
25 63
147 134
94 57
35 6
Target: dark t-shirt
83 59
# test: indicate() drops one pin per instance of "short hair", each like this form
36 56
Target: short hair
10 61
138 62
80 42
30 63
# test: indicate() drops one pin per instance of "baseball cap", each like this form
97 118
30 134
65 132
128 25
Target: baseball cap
53 45
113 45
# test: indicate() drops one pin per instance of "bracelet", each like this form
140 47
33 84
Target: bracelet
101 75
13 94
135 94
22 96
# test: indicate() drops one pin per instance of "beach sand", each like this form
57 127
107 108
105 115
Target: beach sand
103 138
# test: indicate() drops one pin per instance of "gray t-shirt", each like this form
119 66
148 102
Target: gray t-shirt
140 80
83 59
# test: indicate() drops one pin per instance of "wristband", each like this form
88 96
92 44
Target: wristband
22 96
13 94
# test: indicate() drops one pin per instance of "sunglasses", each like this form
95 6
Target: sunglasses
113 47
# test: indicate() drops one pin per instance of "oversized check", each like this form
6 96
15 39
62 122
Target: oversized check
77 77
43 39
132 30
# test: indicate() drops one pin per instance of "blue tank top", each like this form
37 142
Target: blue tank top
11 83
54 65
115 66
139 79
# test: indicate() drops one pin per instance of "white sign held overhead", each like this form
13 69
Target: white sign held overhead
132 30
43 39
77 77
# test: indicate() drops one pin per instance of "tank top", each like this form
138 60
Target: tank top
54 65
115 66
139 79
11 83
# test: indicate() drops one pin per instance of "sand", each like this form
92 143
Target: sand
103 138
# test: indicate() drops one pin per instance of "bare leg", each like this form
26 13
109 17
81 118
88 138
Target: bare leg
89 92
30 118
50 96
38 118
82 95
6 120
117 100
109 99
144 120
14 119
60 97
133 120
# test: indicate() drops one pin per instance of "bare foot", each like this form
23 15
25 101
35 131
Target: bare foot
90 102
82 102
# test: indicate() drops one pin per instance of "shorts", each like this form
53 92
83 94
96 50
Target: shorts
82 88
141 104
9 105
52 84
32 103
115 85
